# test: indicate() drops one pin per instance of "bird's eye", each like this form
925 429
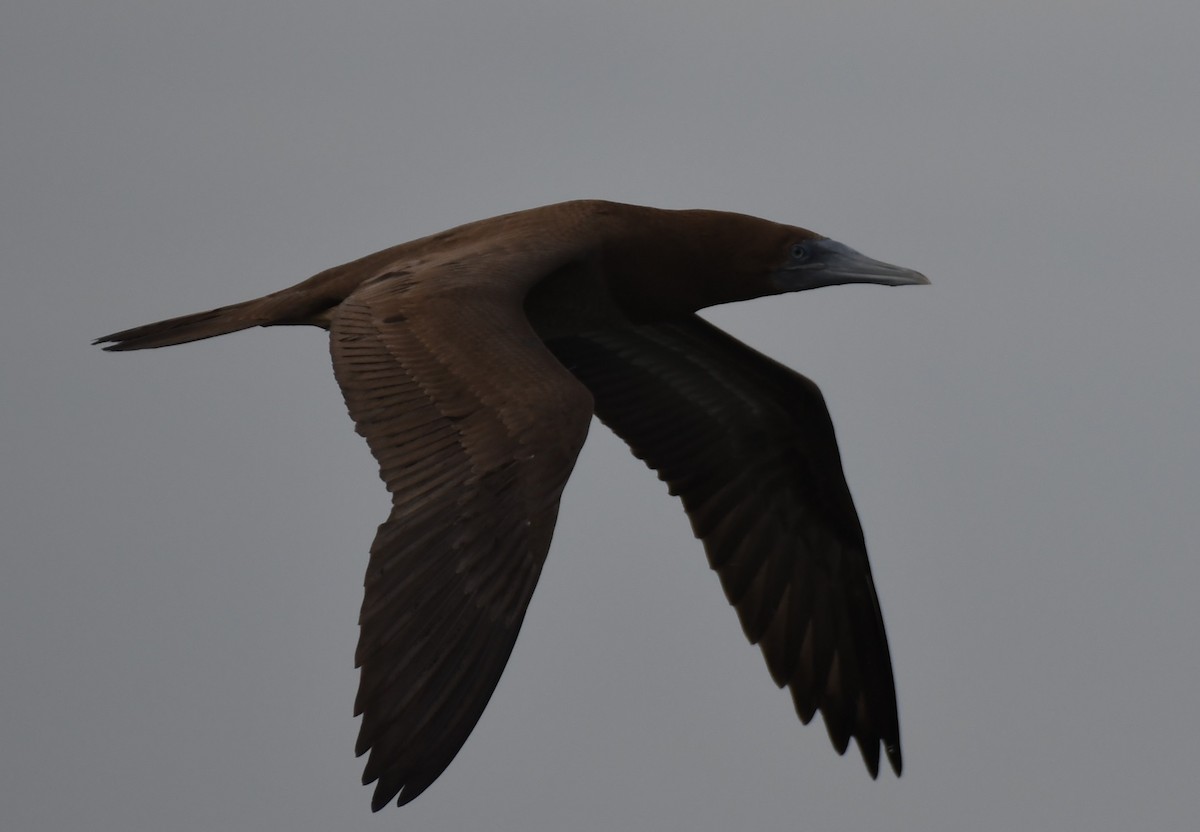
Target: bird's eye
799 251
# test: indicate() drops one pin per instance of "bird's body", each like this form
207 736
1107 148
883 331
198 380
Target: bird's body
472 362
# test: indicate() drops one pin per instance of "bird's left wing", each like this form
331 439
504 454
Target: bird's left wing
475 427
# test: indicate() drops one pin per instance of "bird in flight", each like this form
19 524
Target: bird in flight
473 360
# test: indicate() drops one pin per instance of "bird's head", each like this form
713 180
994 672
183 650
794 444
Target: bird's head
746 257
663 263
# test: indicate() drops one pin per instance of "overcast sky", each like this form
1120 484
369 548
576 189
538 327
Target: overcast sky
185 530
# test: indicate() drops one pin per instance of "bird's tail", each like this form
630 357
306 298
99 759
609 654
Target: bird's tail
189 327
280 308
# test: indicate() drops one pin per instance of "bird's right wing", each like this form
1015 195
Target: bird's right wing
749 447
475 427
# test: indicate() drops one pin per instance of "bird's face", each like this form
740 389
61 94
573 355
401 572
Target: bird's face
809 262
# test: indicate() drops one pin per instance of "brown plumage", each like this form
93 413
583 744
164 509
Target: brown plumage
472 362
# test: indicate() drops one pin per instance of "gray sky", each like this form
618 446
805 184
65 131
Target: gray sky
186 529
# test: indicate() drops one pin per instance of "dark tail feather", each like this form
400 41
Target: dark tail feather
191 327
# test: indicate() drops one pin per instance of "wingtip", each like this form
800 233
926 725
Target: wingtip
870 755
892 751
385 790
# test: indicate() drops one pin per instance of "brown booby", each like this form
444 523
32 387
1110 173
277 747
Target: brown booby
473 360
